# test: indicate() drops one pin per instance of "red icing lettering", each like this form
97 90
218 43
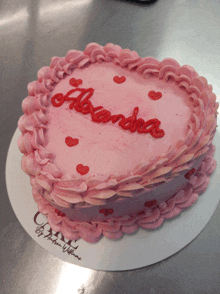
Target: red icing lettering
189 173
155 95
150 203
157 133
79 100
75 83
59 213
71 141
57 100
130 123
119 80
106 211
82 169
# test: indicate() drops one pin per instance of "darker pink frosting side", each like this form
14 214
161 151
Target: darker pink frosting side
149 219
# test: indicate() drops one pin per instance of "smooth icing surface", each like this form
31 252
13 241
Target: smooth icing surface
132 133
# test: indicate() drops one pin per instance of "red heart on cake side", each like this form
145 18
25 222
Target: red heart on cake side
106 211
82 169
150 203
119 80
155 95
75 83
189 173
71 141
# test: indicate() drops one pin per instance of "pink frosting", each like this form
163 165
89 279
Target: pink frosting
122 165
150 218
106 148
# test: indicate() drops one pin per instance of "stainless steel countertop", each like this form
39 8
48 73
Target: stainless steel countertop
31 32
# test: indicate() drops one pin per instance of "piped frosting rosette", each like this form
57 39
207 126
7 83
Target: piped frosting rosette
66 191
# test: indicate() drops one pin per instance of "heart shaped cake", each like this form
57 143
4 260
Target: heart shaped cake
113 142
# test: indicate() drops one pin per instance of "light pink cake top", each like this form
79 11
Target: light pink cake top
113 160
107 149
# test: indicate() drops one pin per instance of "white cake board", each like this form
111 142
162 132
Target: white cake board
130 252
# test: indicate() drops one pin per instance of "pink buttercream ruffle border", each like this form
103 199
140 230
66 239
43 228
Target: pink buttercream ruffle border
148 219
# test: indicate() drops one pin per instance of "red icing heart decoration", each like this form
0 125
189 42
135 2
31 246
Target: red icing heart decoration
151 203
189 173
59 213
155 95
119 80
71 141
75 83
106 211
82 169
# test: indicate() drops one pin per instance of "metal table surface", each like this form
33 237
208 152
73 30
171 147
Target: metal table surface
31 32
